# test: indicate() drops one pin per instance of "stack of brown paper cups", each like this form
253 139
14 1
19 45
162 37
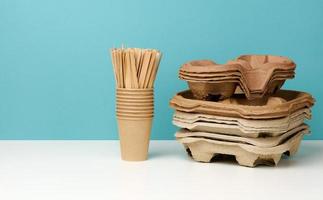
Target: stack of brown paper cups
135 110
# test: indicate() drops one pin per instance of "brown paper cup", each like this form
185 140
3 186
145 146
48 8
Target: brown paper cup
135 91
135 111
134 107
141 105
136 102
132 117
135 114
134 138
142 97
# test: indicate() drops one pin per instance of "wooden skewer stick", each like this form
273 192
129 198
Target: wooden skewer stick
128 78
133 68
144 68
153 75
120 68
129 67
150 68
138 60
117 67
116 75
142 51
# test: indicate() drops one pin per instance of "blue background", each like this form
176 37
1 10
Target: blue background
56 79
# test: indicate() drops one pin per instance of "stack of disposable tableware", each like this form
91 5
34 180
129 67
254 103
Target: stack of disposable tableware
256 123
135 71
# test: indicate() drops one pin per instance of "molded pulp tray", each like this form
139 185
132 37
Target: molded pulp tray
207 150
260 142
257 75
244 64
282 104
211 86
239 126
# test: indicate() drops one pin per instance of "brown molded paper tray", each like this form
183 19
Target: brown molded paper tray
257 75
207 150
260 142
282 104
244 64
239 126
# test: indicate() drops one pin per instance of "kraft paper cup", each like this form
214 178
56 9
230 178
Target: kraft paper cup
136 102
134 106
133 119
134 116
134 138
135 111
134 94
133 97
122 96
134 91
126 105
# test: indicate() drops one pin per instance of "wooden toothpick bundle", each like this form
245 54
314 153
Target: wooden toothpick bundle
134 67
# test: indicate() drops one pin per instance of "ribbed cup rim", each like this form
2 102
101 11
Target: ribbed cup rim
135 92
137 104
134 107
134 103
139 101
134 89
125 111
134 97
134 116
133 111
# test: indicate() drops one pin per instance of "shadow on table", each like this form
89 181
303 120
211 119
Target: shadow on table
305 154
177 152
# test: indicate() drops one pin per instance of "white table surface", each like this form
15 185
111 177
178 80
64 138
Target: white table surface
77 170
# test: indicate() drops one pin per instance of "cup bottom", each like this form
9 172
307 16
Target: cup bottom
134 138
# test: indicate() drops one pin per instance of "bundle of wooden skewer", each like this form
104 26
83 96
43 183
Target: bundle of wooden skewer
134 67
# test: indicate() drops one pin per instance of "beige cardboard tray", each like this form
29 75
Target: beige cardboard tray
281 104
260 142
239 126
206 150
